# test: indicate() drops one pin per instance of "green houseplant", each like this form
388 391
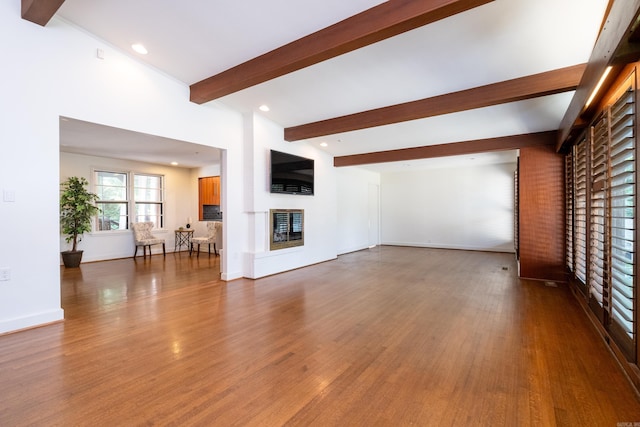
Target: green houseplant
77 206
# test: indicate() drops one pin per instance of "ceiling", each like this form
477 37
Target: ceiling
491 43
91 139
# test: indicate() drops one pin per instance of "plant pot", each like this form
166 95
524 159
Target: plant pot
71 259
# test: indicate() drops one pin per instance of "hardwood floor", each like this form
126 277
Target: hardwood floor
389 336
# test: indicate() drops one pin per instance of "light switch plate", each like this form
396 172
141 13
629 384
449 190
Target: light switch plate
9 196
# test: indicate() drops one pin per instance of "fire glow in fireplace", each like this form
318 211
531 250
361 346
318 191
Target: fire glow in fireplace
287 228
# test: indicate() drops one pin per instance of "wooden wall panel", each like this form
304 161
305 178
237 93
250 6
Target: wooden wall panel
208 193
541 214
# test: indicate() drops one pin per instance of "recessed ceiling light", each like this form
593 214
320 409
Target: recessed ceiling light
324 144
138 47
174 163
264 108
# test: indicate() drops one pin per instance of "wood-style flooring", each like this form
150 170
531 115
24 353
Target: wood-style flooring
390 336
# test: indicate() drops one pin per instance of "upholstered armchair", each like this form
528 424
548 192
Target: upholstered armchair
143 237
209 239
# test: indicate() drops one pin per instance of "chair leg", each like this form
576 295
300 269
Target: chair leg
136 252
144 250
215 250
198 250
209 248
164 252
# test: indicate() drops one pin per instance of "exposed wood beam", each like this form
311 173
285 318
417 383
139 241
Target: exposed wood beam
386 20
453 149
615 46
548 83
40 11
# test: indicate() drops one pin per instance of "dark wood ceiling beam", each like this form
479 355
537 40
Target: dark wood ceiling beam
386 20
548 83
616 45
513 142
40 11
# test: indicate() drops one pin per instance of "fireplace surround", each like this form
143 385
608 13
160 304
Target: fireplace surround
287 228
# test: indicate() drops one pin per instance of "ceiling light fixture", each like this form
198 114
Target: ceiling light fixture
264 108
599 85
139 47
174 163
324 144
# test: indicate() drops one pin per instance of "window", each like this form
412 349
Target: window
568 170
598 248
622 200
120 193
580 212
111 188
148 198
603 189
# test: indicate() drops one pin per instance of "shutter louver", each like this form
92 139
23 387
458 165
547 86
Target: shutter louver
622 212
598 254
516 213
569 210
580 211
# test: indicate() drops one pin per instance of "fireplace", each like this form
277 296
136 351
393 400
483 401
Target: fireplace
287 228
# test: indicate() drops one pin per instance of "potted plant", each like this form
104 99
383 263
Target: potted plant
77 206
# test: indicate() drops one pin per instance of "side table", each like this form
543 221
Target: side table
182 238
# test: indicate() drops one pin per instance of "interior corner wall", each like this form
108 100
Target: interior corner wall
353 227
52 72
541 214
262 135
468 208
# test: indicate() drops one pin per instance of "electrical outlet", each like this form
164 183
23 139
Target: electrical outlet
5 274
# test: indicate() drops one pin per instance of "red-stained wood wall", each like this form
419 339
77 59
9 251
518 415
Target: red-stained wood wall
541 214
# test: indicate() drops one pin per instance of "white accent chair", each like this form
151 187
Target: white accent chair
143 237
209 239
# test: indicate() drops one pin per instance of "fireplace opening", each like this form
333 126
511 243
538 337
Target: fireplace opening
287 228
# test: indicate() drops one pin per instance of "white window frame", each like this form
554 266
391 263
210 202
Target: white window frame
130 201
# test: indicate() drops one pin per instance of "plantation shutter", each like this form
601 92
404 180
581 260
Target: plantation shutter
623 213
569 210
580 211
516 212
598 253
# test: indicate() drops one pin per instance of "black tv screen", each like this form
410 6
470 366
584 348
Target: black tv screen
291 174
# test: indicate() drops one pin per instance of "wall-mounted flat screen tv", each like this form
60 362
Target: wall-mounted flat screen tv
291 174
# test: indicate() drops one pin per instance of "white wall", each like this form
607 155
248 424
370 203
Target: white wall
353 207
180 204
319 210
53 72
463 208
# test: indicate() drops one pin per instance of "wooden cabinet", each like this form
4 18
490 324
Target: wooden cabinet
208 192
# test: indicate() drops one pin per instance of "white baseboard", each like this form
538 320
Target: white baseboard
231 276
447 246
31 321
